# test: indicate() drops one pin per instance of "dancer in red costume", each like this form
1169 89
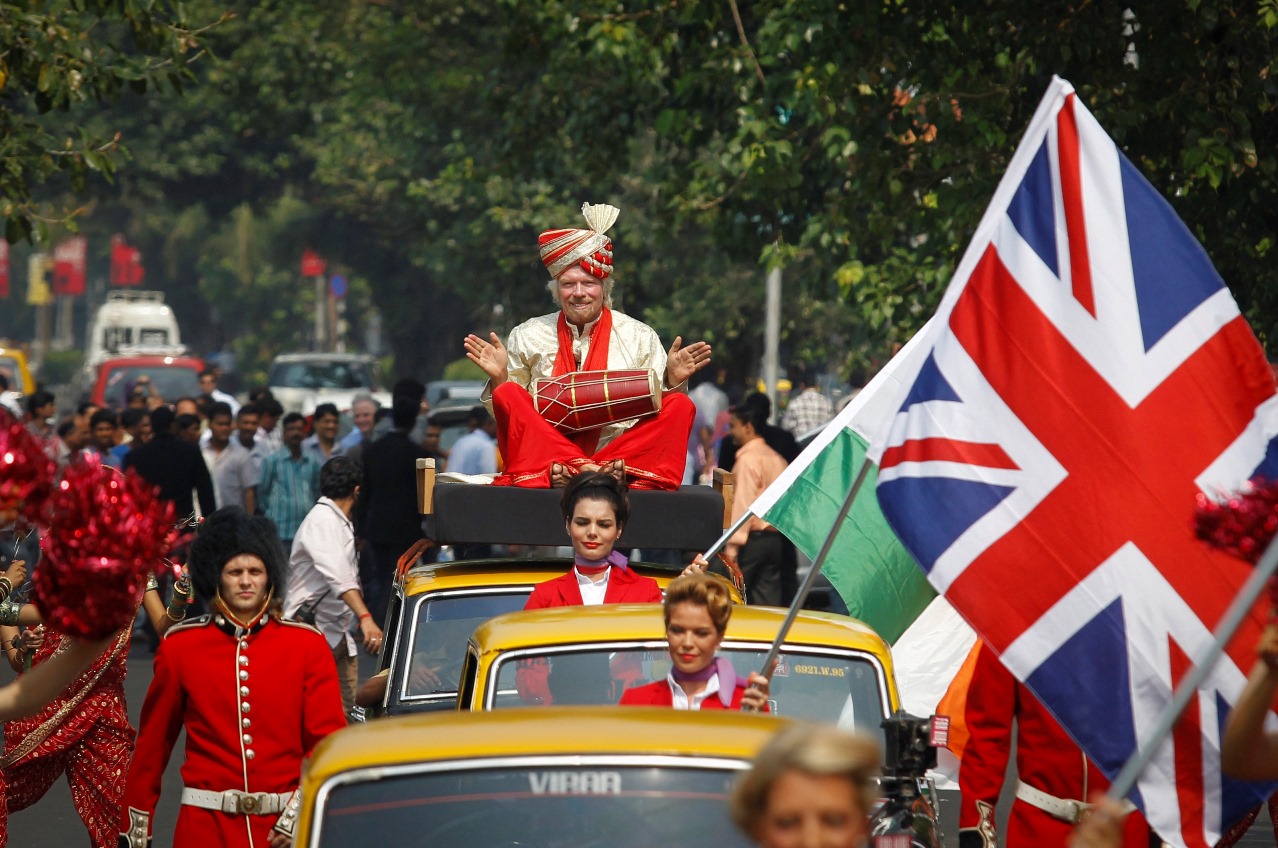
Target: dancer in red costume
586 335
85 732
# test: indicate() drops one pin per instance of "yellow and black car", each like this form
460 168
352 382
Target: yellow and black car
631 778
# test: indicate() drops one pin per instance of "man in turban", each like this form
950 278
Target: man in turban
586 334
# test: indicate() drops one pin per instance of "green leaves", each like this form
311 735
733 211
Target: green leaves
61 57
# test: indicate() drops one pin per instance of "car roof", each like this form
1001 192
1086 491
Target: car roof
323 357
643 622
549 731
170 360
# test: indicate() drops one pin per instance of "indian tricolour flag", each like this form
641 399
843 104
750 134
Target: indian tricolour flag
876 577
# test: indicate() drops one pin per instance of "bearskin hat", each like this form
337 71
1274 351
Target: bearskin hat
225 535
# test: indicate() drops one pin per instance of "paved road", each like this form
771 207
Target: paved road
53 822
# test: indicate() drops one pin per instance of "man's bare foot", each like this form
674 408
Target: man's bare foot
560 475
616 468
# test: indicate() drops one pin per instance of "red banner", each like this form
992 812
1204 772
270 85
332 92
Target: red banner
126 263
4 268
312 264
68 266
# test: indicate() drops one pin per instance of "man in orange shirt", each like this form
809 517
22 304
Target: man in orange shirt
766 558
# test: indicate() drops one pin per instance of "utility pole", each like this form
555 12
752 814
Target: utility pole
321 313
772 336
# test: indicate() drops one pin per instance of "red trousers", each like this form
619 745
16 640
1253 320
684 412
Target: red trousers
655 450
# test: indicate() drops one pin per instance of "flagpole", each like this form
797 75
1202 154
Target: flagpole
810 579
727 534
1188 686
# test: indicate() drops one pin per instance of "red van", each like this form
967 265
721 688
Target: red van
171 377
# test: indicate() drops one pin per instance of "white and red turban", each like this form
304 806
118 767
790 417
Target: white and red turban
561 248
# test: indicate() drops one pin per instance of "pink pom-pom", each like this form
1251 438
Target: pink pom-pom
106 531
26 472
1243 525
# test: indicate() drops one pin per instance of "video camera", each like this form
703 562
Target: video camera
907 815
910 746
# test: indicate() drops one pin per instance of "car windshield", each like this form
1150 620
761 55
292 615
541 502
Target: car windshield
9 368
170 382
342 374
442 628
844 688
550 804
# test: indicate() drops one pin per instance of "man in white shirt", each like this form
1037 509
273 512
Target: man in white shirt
10 399
208 385
230 464
323 577
476 452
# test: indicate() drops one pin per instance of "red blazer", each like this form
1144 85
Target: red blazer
624 587
658 694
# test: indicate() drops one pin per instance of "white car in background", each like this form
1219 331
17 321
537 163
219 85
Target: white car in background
302 381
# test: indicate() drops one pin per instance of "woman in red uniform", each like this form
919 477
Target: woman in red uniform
697 609
595 508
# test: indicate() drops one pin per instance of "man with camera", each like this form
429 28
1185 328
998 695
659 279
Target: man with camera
323 577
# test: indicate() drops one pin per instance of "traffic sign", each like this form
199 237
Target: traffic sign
337 286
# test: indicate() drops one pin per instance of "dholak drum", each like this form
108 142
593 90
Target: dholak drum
586 400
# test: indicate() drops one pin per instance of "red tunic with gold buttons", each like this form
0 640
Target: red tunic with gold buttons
1046 758
254 703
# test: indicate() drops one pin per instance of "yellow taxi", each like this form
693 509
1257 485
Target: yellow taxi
832 668
632 778
16 368
436 607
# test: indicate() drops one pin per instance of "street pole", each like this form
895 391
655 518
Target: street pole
321 307
772 336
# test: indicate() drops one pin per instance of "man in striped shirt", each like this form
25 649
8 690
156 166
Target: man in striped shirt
289 483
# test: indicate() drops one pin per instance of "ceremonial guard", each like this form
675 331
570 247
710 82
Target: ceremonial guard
1055 777
254 692
563 358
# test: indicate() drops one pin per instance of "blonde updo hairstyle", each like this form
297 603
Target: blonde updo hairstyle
703 590
815 749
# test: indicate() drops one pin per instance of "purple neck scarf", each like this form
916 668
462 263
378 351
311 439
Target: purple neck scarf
721 666
594 566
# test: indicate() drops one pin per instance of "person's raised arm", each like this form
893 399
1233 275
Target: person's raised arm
30 692
682 362
1247 752
490 355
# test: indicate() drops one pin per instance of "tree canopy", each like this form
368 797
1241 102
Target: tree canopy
422 145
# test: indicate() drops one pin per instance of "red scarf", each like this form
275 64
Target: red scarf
596 360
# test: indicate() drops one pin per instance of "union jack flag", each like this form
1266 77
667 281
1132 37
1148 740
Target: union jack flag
1089 374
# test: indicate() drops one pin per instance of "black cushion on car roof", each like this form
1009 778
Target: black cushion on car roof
690 519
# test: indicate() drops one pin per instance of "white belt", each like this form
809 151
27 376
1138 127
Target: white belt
1065 809
236 802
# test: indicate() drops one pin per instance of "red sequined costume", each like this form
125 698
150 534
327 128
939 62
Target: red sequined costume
1047 761
254 703
85 734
